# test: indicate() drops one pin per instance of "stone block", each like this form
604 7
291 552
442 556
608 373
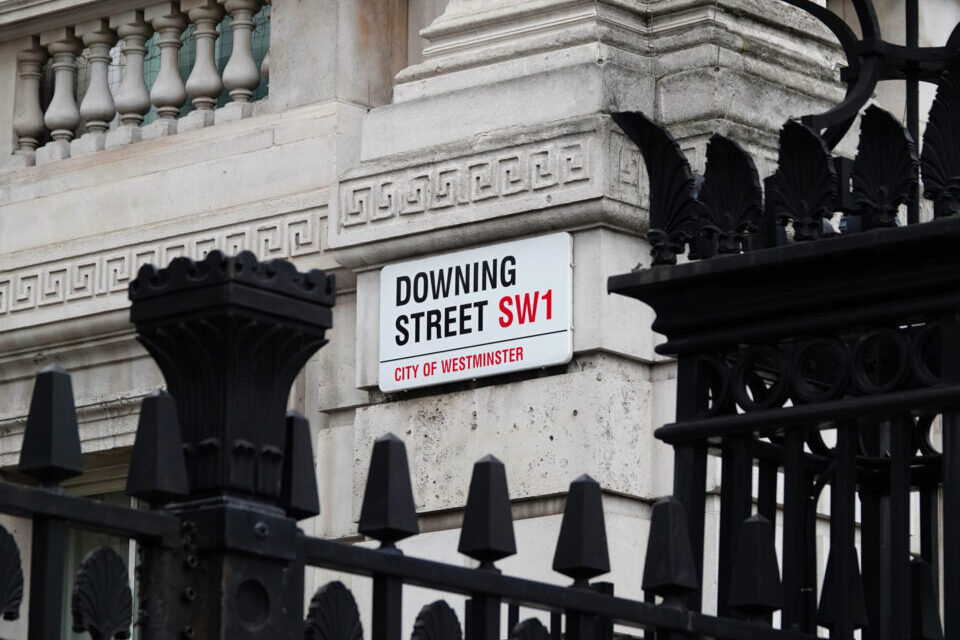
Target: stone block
595 419
159 128
53 151
88 143
196 119
123 135
233 111
20 161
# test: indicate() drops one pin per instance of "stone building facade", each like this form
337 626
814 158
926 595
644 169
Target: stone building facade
385 130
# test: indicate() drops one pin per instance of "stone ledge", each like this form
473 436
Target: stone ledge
86 278
510 174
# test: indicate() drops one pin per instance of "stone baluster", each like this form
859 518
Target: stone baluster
168 93
204 84
62 116
241 75
265 64
96 108
27 114
132 99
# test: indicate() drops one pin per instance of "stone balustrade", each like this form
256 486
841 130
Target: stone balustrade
103 117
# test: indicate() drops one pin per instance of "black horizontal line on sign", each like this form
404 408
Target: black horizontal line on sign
484 344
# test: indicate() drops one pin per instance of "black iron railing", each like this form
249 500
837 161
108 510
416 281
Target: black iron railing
226 477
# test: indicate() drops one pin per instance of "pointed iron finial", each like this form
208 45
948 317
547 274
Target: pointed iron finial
582 545
487 532
298 492
158 472
51 440
669 570
832 601
924 610
755 586
388 513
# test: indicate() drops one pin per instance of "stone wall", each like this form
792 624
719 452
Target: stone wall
497 129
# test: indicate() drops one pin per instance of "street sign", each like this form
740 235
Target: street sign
476 313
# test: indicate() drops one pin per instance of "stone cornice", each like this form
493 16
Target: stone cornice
93 282
507 184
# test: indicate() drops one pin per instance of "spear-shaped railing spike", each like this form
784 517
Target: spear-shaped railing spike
669 570
924 610
158 472
51 440
582 546
487 532
755 587
832 599
298 491
388 513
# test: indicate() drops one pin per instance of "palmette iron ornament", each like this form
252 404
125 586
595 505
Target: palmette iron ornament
529 629
715 213
731 194
102 602
885 171
437 621
727 212
805 184
674 208
941 146
333 614
11 577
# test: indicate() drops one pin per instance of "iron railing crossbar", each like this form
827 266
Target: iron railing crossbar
144 526
822 415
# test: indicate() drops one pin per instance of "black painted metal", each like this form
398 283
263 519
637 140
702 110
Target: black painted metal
220 556
823 356
784 329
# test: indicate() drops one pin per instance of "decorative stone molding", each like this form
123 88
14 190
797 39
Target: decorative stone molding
558 165
108 272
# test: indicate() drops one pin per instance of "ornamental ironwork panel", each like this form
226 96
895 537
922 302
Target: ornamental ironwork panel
816 326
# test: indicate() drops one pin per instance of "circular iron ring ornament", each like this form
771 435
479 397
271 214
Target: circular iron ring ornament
816 378
881 360
926 338
749 387
719 386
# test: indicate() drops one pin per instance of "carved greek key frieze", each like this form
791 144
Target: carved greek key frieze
110 271
461 182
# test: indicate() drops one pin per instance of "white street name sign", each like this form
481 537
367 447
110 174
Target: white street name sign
476 313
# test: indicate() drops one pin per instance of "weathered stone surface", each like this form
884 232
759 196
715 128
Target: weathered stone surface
547 430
